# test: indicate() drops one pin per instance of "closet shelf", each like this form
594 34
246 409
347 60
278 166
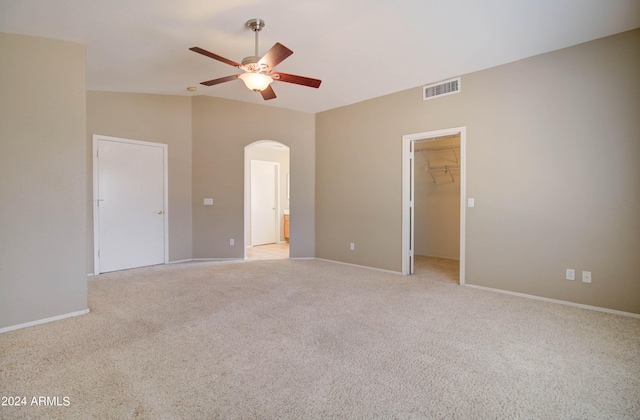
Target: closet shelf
437 149
445 169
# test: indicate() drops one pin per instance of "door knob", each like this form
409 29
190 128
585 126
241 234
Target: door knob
159 212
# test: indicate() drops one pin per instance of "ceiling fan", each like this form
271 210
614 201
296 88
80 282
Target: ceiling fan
258 71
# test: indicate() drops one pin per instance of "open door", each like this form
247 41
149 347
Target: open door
264 202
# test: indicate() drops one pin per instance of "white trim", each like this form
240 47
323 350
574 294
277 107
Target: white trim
216 259
303 258
43 321
407 140
180 261
561 302
359 266
96 226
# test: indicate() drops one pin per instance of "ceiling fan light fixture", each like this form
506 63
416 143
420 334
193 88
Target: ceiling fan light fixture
257 69
256 81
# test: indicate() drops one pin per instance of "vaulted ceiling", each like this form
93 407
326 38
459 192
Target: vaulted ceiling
360 49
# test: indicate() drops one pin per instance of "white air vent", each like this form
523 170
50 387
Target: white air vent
441 89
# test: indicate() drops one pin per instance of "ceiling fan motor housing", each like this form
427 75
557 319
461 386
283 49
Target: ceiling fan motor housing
252 65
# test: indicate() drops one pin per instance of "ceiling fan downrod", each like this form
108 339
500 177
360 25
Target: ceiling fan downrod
256 26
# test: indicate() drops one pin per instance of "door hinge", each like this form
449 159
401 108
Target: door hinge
98 253
411 204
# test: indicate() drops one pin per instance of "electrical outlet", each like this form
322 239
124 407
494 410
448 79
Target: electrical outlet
571 274
232 242
352 246
586 276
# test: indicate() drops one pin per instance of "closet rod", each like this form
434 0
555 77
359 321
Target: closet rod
442 168
446 169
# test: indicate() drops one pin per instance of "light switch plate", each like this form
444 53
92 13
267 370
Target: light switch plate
208 201
471 202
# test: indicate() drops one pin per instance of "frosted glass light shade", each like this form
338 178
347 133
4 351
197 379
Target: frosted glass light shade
256 81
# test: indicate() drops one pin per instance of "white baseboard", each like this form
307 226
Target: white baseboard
180 261
43 321
561 302
215 259
360 266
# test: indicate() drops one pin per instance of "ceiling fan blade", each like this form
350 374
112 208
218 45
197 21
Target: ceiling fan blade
268 93
298 80
275 55
220 80
214 56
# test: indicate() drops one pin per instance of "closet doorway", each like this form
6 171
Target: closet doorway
266 217
433 194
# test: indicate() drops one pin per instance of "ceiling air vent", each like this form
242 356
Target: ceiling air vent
441 89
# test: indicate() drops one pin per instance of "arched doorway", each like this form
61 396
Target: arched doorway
266 197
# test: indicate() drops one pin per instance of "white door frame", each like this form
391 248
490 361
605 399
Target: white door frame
96 221
247 192
408 225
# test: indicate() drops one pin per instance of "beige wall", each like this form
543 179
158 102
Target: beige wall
42 179
281 156
437 199
552 162
154 118
221 130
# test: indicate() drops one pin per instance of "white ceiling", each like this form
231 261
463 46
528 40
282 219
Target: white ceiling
360 49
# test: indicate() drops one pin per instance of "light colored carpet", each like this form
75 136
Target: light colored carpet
289 339
440 269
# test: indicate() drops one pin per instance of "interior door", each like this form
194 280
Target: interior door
130 204
263 202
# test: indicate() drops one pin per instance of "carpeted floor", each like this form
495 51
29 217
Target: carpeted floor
304 339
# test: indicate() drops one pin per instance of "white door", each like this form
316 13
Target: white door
264 178
130 204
